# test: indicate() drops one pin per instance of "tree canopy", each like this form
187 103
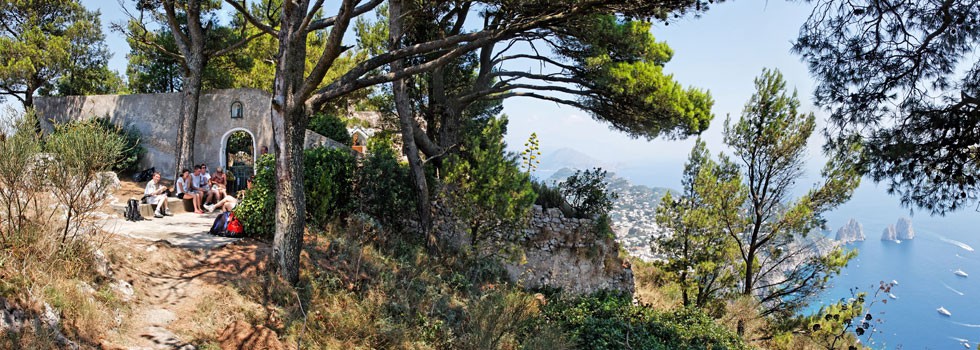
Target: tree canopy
904 78
52 47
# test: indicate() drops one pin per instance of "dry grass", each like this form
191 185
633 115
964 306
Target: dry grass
652 288
36 268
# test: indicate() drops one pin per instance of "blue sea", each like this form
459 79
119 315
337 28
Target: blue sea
923 268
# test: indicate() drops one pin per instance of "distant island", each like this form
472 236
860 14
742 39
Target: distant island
901 230
851 232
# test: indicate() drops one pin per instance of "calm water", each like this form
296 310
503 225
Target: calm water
924 269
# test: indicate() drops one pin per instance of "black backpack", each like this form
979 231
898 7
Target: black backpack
133 210
145 175
220 225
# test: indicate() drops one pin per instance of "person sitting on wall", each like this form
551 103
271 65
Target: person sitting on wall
186 191
226 204
202 182
155 193
219 183
213 194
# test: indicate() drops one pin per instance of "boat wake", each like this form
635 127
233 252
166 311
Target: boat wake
965 246
952 289
967 324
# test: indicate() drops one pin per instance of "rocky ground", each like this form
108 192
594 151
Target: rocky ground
181 283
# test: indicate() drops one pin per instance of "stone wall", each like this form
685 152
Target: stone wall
559 252
156 116
566 253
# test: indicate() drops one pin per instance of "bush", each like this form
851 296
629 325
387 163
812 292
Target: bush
588 193
257 208
132 152
327 173
608 320
550 197
490 194
384 185
79 153
330 126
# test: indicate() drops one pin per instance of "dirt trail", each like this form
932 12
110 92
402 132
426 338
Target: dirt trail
183 279
183 296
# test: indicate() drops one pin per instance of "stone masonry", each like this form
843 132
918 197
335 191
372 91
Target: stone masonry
559 252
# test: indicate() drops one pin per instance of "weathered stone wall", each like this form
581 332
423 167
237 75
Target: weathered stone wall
156 116
567 253
559 252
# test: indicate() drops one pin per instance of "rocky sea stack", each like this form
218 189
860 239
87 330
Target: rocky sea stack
889 234
851 232
904 228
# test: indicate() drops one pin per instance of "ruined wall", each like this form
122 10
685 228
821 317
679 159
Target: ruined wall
566 253
559 252
156 116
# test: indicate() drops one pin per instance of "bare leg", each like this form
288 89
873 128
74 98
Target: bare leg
161 203
197 201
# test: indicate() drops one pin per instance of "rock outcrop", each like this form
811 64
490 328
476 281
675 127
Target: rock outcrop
904 228
851 232
889 234
559 252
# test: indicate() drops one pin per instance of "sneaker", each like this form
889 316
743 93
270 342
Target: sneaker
209 207
157 215
168 213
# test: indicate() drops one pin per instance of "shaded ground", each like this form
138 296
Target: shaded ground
183 278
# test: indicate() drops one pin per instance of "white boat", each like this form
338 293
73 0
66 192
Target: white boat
960 273
890 295
898 241
895 282
943 311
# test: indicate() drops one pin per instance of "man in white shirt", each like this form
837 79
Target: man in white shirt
156 194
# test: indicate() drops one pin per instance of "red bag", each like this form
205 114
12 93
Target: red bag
235 228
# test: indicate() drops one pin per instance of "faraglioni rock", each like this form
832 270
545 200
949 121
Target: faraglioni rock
904 229
851 232
889 234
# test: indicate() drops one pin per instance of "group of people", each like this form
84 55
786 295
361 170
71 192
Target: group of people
206 191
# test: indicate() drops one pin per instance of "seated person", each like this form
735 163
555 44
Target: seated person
155 193
185 190
219 183
202 182
226 204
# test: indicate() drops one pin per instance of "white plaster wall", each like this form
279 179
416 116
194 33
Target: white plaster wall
156 116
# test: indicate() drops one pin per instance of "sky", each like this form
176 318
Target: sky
721 51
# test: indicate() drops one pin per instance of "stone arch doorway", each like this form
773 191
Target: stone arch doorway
238 157
359 141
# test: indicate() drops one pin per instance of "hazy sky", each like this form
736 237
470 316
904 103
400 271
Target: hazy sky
722 51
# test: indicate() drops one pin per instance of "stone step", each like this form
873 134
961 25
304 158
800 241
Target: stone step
175 204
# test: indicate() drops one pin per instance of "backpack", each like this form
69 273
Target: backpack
145 175
235 228
133 210
220 225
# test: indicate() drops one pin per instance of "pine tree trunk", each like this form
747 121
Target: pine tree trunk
405 118
289 122
187 126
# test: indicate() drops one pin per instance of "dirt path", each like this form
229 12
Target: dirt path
184 296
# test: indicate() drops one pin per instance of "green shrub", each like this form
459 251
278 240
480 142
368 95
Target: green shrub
330 126
588 193
608 320
257 208
490 192
384 185
328 175
132 152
